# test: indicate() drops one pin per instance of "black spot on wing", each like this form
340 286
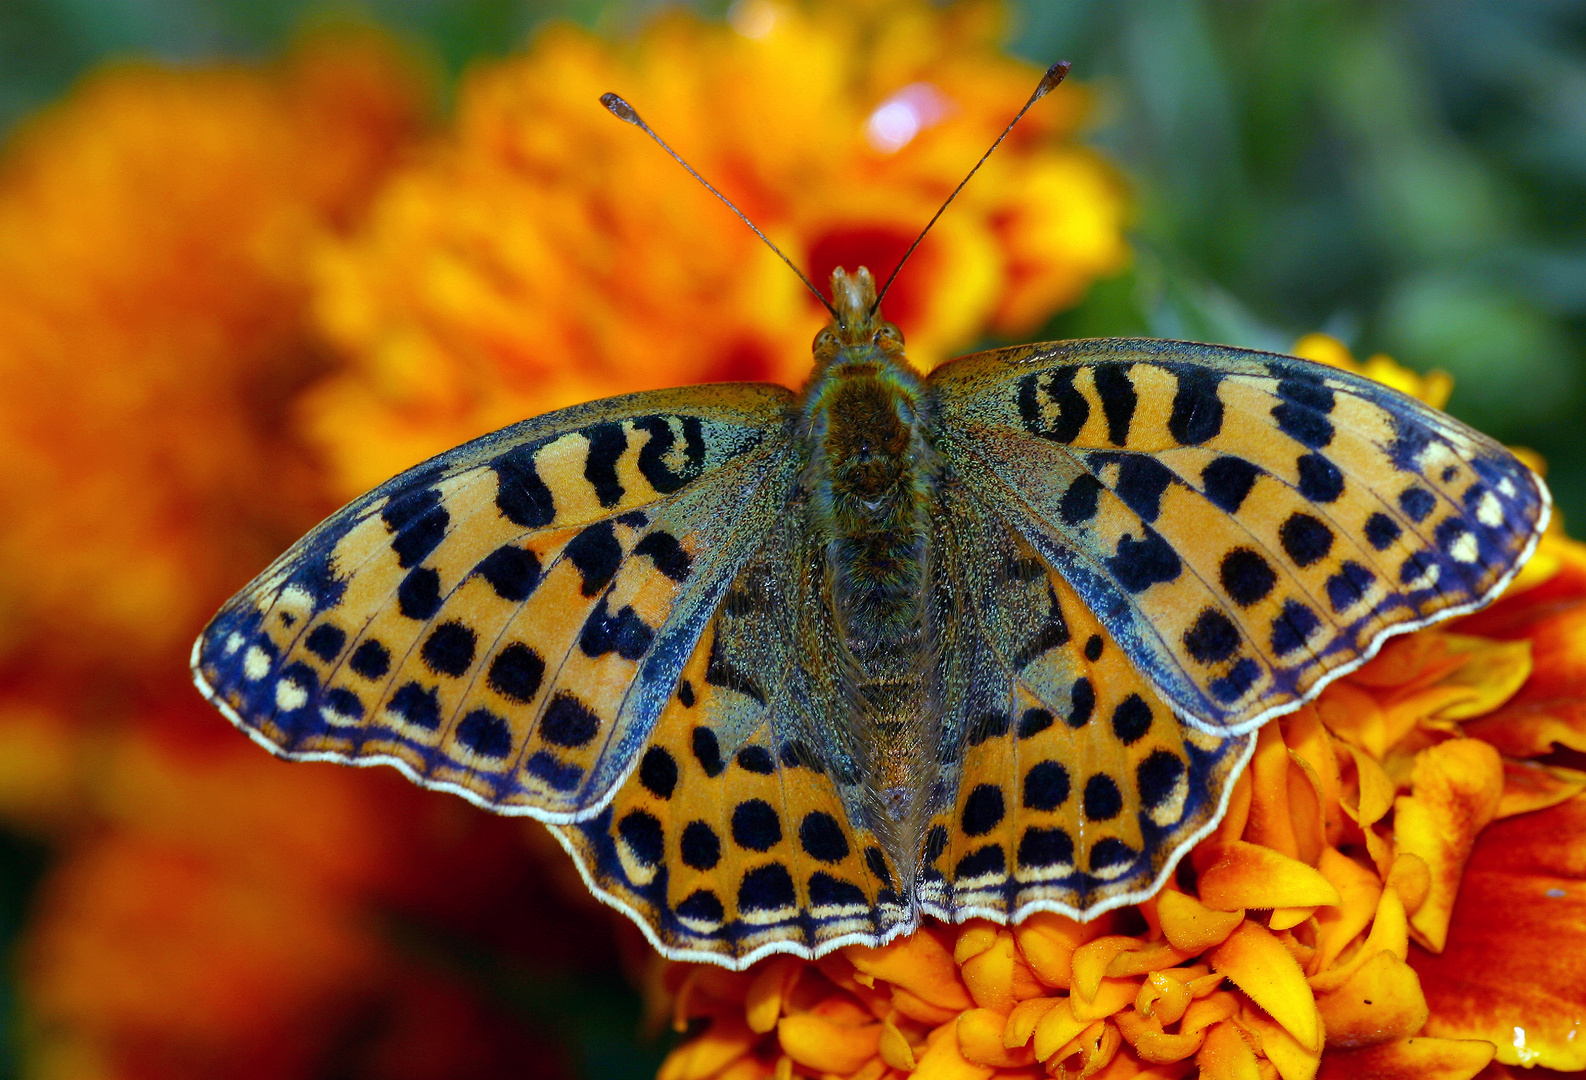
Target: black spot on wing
981 862
1227 480
766 888
1213 638
707 751
596 554
661 461
1079 501
700 846
1103 800
827 891
1233 685
1382 531
641 833
1040 848
1110 852
1292 627
1140 564
419 523
516 673
658 772
419 595
1131 719
756 759
756 826
1305 539
557 774
513 572
1141 481
1348 585
1197 410
991 724
983 810
1093 647
662 549
325 641
606 445
1247 578
568 722
520 493
1303 425
1051 406
1118 400
1156 776
1082 702
1417 502
449 650
1320 480
485 733
417 706
622 632
1034 721
370 659
1046 786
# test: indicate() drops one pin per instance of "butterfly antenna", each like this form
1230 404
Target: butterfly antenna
1053 76
625 112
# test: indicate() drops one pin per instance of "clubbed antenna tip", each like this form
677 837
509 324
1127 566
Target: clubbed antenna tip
623 111
1053 76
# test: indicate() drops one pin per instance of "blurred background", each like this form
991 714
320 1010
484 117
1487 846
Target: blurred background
1407 177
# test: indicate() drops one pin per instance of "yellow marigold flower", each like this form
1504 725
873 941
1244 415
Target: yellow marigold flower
1316 933
543 254
152 328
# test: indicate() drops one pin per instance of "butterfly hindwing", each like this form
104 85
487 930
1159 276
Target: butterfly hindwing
507 620
743 832
1246 525
1074 786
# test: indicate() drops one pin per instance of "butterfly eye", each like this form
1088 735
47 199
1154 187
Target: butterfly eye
825 341
888 337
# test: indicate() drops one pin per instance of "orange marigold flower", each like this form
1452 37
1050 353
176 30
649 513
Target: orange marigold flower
1315 933
153 285
543 254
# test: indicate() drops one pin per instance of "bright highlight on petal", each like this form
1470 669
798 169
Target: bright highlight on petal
904 115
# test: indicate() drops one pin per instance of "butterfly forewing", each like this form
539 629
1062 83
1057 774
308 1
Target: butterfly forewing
1072 786
507 620
1246 525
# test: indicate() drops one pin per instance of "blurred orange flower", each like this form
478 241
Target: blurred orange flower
1313 934
545 254
153 231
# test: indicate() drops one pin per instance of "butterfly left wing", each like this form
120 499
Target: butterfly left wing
1247 525
507 620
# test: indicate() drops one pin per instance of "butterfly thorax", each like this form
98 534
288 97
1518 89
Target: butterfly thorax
870 479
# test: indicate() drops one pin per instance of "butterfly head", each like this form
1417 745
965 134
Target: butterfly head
857 325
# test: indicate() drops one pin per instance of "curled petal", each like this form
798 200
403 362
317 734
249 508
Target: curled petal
1260 965
824 1045
918 964
943 1060
1288 1057
1226 1056
1192 926
1152 1044
766 995
1337 926
1249 875
1380 1002
1047 942
1529 786
1455 789
980 1040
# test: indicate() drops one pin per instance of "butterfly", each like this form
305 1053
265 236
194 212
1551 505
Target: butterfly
785 671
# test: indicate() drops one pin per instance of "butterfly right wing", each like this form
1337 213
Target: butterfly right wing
744 830
507 620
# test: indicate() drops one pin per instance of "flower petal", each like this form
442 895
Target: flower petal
1252 876
1514 969
1258 964
1226 1056
1455 789
1192 926
821 1044
1379 1002
1409 1059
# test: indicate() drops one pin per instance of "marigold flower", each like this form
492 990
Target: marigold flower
153 227
543 254
1315 933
